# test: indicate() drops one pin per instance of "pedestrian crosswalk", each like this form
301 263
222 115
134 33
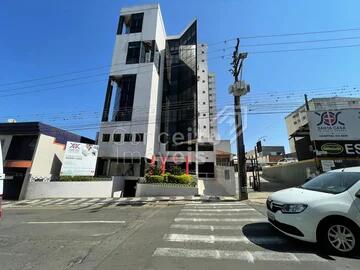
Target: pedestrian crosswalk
86 202
227 231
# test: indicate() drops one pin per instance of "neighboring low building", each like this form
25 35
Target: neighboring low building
297 123
223 153
269 154
32 150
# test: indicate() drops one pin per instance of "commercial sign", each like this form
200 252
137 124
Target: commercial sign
334 125
337 148
79 159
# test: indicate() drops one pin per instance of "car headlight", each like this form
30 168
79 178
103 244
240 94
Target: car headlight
293 208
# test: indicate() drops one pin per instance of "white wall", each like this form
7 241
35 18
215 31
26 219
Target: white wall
145 190
47 156
6 139
229 184
203 92
38 190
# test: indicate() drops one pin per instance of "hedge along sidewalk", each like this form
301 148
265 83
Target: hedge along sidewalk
182 179
165 184
81 179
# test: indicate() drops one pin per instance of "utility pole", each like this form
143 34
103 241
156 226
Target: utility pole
238 89
306 102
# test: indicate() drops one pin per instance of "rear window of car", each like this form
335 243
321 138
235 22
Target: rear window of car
333 182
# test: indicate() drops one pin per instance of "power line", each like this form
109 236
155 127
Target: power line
287 34
220 42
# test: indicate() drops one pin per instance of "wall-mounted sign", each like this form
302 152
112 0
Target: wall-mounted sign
79 159
334 125
327 165
337 148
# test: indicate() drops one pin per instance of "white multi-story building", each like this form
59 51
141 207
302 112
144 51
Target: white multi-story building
297 122
157 102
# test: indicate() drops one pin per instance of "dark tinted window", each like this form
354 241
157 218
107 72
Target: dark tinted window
128 138
142 52
133 53
206 146
130 23
139 137
333 182
117 137
22 148
106 137
136 22
124 99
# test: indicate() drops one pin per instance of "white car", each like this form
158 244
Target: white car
286 161
325 210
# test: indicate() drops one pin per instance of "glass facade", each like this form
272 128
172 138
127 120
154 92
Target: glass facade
179 113
119 103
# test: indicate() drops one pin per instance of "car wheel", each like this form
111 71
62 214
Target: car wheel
341 237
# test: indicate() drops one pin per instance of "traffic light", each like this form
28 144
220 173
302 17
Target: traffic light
259 147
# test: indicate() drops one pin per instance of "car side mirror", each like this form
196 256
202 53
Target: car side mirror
357 194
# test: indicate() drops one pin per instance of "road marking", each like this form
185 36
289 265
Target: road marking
78 201
93 200
248 256
65 201
216 204
205 227
218 210
78 222
52 202
215 214
44 201
199 238
30 201
105 201
221 219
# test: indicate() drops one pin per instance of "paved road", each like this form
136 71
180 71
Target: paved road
153 236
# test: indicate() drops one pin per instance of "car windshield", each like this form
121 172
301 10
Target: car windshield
333 182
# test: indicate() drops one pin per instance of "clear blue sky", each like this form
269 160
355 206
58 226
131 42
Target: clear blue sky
40 38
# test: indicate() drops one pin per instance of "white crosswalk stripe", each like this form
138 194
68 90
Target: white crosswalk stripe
219 210
182 214
215 204
248 256
205 227
220 219
79 201
65 201
52 202
199 238
199 229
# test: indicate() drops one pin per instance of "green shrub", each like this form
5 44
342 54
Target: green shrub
155 178
181 179
176 170
81 178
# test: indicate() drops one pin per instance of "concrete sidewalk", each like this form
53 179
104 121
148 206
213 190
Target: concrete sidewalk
266 189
